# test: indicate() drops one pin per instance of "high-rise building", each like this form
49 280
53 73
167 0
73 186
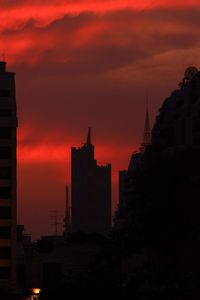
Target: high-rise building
8 182
91 191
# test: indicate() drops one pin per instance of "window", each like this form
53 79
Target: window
4 93
5 152
5 112
5 173
5 232
5 192
5 212
5 273
5 132
5 252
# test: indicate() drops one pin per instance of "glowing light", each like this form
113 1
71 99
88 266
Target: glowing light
36 291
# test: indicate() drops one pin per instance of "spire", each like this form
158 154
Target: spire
147 130
89 137
67 212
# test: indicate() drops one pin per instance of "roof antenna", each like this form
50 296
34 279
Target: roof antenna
147 130
89 136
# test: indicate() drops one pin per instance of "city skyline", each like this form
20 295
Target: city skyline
79 65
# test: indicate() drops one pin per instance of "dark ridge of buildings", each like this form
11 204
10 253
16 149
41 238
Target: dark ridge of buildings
178 122
90 191
166 175
8 182
176 126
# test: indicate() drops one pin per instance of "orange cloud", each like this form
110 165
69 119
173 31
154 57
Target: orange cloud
113 40
43 12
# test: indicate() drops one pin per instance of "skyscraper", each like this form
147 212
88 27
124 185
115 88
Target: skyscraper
8 185
91 191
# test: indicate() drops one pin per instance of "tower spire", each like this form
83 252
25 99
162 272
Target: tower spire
147 130
89 137
67 212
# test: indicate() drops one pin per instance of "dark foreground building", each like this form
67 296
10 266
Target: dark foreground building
158 216
8 126
91 191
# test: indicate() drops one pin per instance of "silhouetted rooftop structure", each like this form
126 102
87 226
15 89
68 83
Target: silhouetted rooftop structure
178 122
91 191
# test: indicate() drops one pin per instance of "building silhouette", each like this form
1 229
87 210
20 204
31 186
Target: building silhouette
147 133
91 191
67 218
8 184
126 176
178 122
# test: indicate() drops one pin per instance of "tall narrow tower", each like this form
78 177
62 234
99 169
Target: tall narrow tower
147 132
91 191
8 182
67 219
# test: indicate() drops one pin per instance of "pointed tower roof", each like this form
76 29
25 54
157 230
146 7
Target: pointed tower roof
147 130
89 139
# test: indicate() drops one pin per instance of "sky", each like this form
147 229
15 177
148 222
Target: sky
88 63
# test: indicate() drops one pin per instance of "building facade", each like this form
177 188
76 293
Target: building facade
8 182
91 191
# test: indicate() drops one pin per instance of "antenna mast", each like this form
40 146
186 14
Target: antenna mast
147 130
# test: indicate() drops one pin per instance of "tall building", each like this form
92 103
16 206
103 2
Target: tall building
8 182
91 191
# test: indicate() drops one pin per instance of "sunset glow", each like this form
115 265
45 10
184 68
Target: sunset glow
88 63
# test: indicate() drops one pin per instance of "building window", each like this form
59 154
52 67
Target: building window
5 273
5 232
5 252
4 93
5 192
5 152
5 212
5 132
5 112
5 173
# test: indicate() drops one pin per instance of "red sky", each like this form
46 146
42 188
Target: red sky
83 63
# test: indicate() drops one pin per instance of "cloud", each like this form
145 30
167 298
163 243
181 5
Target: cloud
75 44
14 14
90 63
